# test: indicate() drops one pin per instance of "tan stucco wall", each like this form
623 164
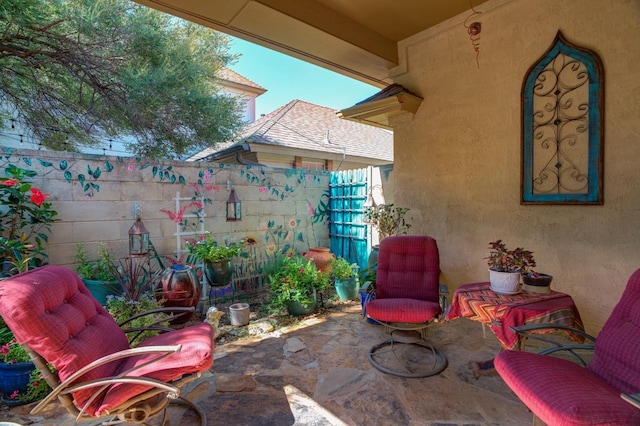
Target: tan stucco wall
457 161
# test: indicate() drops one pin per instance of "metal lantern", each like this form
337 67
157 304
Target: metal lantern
138 239
233 207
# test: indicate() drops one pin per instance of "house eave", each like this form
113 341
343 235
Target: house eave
379 112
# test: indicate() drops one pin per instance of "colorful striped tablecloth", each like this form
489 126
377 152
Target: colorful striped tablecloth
478 302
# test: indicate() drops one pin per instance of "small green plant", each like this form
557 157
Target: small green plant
341 269
295 280
25 219
209 250
100 269
388 219
123 308
502 259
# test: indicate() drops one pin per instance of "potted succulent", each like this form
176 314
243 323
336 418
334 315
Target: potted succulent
97 274
345 278
293 285
506 266
216 258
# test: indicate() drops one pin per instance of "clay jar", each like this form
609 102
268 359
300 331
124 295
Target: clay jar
320 256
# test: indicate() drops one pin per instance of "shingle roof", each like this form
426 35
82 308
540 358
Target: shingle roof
303 125
233 77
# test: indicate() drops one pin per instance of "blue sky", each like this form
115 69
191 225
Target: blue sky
287 78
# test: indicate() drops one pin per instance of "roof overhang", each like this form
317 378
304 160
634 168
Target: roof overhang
356 38
380 108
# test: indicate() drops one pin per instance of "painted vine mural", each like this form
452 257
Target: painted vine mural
261 246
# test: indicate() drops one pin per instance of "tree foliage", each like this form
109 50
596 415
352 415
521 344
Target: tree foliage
77 71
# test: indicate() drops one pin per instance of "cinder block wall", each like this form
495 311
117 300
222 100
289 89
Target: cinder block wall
95 198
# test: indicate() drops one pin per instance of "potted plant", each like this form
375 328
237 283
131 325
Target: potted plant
293 285
506 266
216 258
20 380
536 282
345 278
98 275
388 219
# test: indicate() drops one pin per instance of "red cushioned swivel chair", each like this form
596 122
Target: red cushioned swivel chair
407 298
56 318
561 392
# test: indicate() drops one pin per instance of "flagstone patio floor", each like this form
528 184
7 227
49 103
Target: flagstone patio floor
317 373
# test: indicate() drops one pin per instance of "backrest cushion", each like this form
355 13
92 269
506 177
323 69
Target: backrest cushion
408 267
617 355
51 310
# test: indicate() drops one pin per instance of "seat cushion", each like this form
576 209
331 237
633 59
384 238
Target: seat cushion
51 310
560 392
402 310
195 356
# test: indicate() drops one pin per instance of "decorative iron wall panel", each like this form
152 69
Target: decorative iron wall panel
562 127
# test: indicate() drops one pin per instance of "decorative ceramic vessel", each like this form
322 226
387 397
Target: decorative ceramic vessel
101 289
179 286
296 308
504 282
320 256
347 288
218 273
537 284
15 377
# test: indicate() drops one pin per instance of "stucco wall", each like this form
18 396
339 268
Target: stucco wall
99 206
457 161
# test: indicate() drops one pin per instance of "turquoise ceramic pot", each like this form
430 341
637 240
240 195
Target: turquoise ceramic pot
347 288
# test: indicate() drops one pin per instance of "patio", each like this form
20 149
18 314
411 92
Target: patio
317 373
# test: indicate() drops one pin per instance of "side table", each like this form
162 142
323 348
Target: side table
478 302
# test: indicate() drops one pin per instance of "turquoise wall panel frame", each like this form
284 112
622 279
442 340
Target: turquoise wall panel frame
563 127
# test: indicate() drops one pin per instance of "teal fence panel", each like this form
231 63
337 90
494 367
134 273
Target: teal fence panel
348 191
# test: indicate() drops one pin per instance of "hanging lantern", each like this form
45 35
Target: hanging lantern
233 207
138 239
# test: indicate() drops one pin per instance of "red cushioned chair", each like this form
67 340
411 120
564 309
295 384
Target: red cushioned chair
55 317
407 298
561 392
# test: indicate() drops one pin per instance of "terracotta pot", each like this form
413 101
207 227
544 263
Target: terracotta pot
320 256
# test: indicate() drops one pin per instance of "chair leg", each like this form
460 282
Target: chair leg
438 365
186 403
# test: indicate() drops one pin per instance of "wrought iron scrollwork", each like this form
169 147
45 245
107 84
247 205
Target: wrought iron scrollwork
562 128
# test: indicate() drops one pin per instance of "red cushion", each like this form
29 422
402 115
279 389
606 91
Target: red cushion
51 310
561 392
196 355
402 310
617 356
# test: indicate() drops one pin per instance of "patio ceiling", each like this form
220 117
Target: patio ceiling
357 38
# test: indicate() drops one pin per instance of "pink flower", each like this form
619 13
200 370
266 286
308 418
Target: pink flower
10 182
312 212
195 186
14 395
197 204
206 175
263 189
37 197
212 188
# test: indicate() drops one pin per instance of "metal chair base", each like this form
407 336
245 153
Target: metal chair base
380 354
